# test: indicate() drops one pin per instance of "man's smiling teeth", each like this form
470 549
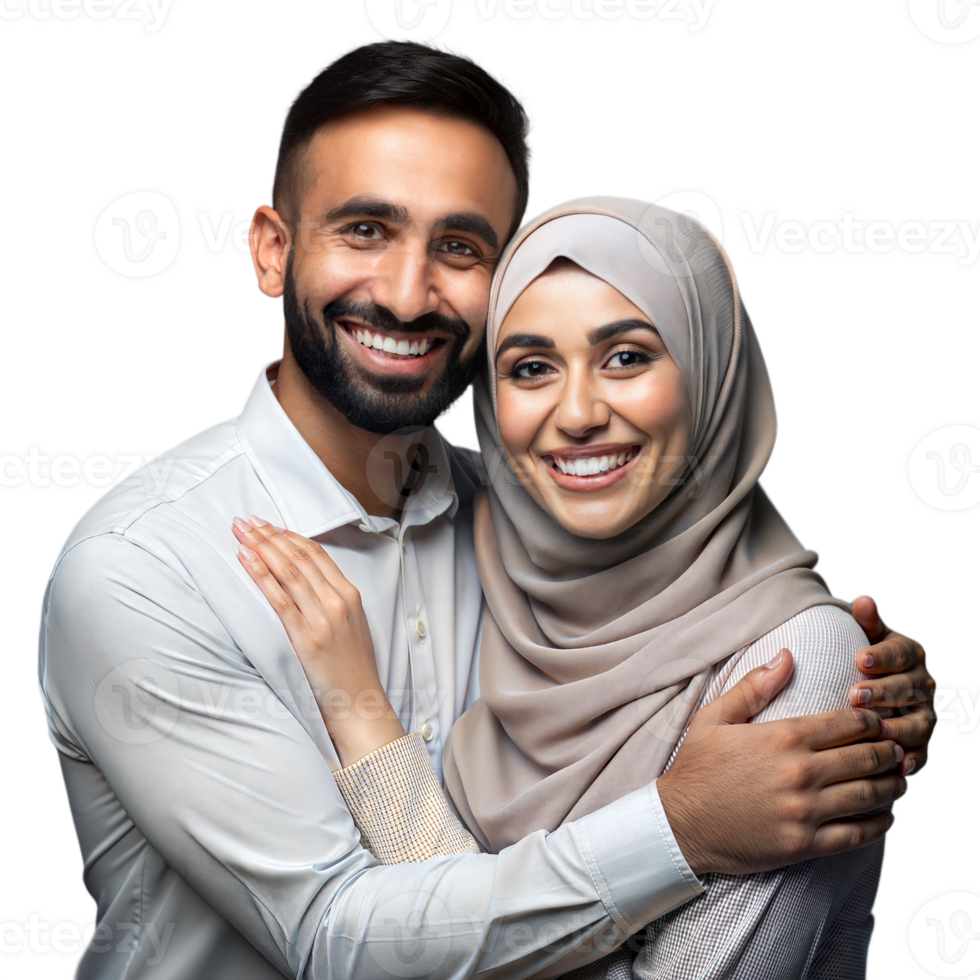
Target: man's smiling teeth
383 342
593 465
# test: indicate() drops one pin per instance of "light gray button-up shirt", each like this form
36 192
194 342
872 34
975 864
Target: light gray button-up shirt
198 768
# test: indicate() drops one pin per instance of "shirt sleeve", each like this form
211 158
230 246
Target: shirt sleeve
395 798
203 761
810 920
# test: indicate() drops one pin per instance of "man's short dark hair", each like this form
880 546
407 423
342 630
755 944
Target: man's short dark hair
399 73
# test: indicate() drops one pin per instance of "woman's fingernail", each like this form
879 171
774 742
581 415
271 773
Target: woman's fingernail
242 526
776 661
911 767
247 553
869 660
258 522
278 530
863 695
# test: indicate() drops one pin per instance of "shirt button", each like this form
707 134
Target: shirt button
420 628
427 732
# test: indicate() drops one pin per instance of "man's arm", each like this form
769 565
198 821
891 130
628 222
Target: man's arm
141 678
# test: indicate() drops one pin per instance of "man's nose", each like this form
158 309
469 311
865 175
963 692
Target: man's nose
404 285
580 407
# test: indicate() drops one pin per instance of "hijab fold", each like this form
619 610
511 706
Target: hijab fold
595 653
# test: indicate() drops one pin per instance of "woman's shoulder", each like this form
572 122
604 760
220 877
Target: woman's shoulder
824 641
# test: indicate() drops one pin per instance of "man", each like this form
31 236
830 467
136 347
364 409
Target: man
195 757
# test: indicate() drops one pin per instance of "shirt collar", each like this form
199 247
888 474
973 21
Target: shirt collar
309 497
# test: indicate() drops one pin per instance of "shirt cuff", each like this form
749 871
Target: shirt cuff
635 863
396 801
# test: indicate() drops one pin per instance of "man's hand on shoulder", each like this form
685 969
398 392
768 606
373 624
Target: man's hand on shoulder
746 798
900 687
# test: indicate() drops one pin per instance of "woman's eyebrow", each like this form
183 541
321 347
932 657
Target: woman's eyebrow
601 334
523 340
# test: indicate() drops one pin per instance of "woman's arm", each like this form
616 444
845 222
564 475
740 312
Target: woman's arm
387 781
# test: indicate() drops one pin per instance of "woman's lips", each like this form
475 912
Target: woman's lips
593 472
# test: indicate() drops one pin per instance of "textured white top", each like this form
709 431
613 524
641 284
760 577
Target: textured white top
811 920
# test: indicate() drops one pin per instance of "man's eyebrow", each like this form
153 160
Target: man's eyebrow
369 207
473 224
601 334
523 340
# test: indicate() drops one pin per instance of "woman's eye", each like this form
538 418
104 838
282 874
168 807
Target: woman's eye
531 369
627 359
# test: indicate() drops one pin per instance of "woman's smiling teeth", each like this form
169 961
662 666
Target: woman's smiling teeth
389 345
593 465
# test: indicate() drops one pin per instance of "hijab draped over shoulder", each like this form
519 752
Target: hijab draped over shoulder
595 652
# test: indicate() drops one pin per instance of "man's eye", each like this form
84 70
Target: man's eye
457 248
366 229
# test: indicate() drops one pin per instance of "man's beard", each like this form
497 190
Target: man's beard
378 403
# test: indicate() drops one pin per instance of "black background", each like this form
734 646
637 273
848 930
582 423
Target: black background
809 111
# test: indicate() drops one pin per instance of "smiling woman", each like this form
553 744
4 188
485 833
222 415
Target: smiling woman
634 570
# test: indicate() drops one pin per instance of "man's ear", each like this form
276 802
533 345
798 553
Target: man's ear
270 239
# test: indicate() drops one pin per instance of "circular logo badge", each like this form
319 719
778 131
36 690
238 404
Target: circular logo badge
406 466
408 20
137 702
944 935
947 21
698 206
138 235
944 468
409 935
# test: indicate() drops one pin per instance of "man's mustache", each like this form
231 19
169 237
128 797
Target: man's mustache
386 321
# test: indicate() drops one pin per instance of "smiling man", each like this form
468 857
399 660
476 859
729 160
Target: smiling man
198 766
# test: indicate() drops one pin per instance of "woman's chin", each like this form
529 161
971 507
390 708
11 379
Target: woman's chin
597 521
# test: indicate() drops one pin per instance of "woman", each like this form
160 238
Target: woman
633 570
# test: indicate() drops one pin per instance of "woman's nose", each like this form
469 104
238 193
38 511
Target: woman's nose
580 408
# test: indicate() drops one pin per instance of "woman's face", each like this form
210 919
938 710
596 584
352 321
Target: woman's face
592 410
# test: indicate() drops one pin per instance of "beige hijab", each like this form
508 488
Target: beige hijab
595 653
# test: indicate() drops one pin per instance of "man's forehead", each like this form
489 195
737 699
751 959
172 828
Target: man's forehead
429 167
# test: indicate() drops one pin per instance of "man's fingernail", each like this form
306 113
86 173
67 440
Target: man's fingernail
902 788
242 526
257 521
247 553
911 767
775 662
863 695
899 754
869 660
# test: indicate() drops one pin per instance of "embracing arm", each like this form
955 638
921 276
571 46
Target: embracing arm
203 760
